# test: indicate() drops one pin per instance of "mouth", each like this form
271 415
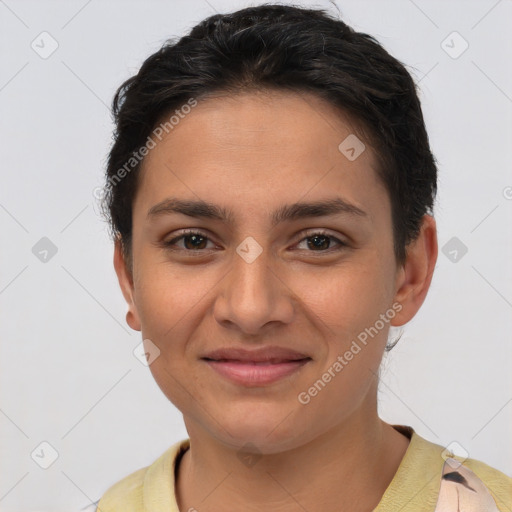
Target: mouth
256 363
256 368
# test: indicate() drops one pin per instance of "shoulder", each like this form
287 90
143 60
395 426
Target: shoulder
488 473
431 477
470 480
128 495
498 484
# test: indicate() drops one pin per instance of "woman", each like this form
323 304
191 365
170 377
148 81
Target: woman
270 192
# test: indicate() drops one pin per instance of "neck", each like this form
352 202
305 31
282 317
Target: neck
352 465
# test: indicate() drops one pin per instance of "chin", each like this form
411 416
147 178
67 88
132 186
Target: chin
271 429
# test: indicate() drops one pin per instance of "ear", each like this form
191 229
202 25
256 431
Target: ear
125 278
414 278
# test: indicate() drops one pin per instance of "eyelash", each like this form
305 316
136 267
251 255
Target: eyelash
169 244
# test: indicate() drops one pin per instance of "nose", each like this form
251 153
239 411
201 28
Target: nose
252 296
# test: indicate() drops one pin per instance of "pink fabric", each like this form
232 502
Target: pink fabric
462 491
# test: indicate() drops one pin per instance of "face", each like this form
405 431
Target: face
259 269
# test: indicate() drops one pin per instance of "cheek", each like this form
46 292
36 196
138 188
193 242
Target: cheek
169 305
346 305
168 297
345 314
347 298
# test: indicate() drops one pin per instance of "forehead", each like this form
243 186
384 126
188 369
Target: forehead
257 147
287 123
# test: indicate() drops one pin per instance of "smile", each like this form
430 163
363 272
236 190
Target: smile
256 373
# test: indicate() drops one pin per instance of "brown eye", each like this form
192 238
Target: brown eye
318 242
192 241
321 242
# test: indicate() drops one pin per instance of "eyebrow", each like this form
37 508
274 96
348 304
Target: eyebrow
286 213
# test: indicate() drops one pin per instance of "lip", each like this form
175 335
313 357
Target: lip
258 367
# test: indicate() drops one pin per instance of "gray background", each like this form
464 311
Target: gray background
68 374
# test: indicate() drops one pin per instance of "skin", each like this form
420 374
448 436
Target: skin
252 153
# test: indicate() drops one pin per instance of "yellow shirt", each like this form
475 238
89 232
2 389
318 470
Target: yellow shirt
428 480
